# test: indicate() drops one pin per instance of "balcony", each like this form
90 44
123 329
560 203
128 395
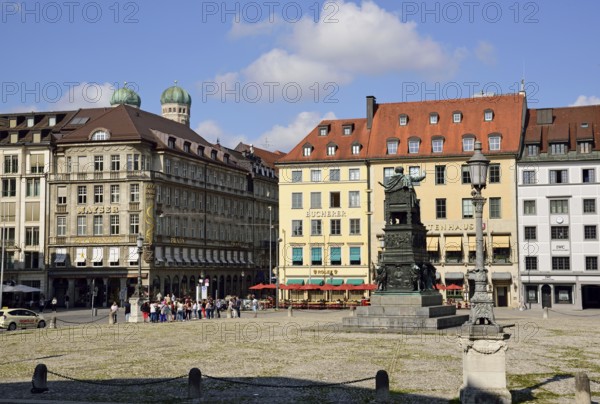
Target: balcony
134 206
61 208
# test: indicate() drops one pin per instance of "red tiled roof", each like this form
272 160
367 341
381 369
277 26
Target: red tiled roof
268 157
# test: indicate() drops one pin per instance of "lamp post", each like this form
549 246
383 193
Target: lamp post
243 275
137 299
270 242
140 249
279 240
482 310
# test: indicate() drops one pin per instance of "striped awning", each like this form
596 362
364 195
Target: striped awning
355 281
295 282
316 282
433 243
453 243
335 282
501 241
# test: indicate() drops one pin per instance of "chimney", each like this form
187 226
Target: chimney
371 108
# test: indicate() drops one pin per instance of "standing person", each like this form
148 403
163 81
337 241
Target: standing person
145 309
42 303
218 306
113 311
67 302
238 306
127 306
53 304
254 306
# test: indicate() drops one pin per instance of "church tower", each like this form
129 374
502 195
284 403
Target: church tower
176 104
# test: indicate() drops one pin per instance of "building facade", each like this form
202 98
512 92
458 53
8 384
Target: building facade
558 197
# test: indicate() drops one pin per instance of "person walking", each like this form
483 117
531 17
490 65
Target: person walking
127 306
53 304
113 312
67 302
255 306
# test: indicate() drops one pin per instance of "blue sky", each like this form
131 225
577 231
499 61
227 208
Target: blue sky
267 72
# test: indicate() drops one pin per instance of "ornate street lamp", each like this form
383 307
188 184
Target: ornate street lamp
243 274
482 304
140 249
279 240
270 245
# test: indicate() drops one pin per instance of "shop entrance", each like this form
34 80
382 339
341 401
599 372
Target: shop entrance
502 296
590 296
546 296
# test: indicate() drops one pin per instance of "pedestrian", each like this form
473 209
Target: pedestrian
67 302
218 306
113 311
255 306
42 304
127 306
238 306
145 309
53 304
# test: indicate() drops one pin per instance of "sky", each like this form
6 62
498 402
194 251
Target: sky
266 72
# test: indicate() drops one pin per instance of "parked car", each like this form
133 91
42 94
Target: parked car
12 319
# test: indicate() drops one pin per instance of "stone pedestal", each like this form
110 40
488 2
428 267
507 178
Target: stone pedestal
484 364
405 312
136 315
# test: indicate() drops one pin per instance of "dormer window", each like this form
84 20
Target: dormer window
12 123
494 142
14 137
226 158
488 115
403 119
585 147
356 148
307 150
468 143
437 145
558 148
584 125
213 154
200 151
433 118
347 129
413 145
186 147
99 135
30 121
331 148
533 150
323 130
52 121
171 143
457 117
392 146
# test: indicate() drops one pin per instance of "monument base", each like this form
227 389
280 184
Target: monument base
484 364
136 315
404 312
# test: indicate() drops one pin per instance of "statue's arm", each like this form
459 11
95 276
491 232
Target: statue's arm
419 177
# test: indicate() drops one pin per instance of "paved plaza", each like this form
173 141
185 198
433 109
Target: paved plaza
303 352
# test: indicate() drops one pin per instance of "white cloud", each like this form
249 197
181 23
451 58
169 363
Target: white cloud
284 138
84 95
486 53
586 100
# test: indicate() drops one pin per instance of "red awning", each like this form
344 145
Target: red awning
454 287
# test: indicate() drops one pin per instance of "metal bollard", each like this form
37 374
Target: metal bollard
582 388
52 322
382 386
195 383
290 311
545 315
40 379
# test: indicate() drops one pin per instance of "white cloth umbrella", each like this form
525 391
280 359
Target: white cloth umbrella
19 288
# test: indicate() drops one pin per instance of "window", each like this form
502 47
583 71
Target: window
433 118
533 150
331 150
115 162
334 200
81 225
334 174
531 263
440 208
81 195
52 121
530 233
97 225
591 263
529 207
414 171
171 143
354 199
98 163
456 117
114 193
437 145
9 187
315 200
315 175
98 194
33 187
99 135
134 223
387 173
392 146
335 227
590 232
529 177
354 255
297 176
559 206
322 130
354 226
355 149
306 151
354 174
61 226
585 147
296 227
413 146
36 163
488 115
465 174
296 200
32 260
589 206
467 208
468 144
297 256
347 130
561 264
403 119
494 143
558 148
114 225
134 193
335 255
315 227
133 162
61 195
559 176
316 256
440 175
495 208
494 173
588 175
11 164
32 236
559 232
186 147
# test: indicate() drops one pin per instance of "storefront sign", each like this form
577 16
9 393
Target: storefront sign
95 210
325 213
450 227
325 271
